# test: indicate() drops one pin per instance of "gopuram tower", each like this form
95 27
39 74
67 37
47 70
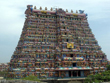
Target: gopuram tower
56 44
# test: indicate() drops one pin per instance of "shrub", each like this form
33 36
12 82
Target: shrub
31 78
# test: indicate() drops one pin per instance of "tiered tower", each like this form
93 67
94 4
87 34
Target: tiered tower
56 44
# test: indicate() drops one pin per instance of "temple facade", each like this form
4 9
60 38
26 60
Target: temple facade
56 44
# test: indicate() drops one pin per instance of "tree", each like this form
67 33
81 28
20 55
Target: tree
108 67
97 78
31 78
4 74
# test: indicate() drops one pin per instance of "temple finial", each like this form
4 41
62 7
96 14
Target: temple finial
71 11
66 10
40 8
76 11
45 8
51 9
34 7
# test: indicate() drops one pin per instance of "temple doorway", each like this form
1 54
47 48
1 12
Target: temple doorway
74 73
79 73
69 73
71 55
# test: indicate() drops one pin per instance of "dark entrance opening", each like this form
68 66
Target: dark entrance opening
74 64
67 40
71 55
79 73
74 73
69 73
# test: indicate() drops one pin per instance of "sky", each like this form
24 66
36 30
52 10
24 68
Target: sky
12 19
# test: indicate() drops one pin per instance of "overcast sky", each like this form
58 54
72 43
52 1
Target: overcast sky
12 19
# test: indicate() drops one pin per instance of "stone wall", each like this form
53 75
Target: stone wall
51 81
19 81
26 81
66 81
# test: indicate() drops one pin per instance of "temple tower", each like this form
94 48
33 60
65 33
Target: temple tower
56 44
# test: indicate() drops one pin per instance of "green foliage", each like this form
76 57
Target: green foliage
96 81
97 78
10 79
31 78
108 67
3 73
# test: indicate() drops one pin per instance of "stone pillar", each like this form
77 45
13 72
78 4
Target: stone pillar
59 73
77 73
71 73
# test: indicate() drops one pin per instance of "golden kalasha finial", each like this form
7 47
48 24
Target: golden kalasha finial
51 9
40 8
34 7
45 8
76 11
71 11
66 10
